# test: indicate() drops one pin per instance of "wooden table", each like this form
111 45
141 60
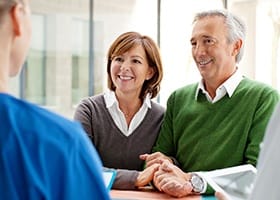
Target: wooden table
150 194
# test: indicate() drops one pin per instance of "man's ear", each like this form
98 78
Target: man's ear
16 17
237 46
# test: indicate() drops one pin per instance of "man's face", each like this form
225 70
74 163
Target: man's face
212 53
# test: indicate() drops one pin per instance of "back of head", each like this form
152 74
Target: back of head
236 27
5 6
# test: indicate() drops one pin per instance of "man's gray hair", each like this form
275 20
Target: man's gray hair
236 27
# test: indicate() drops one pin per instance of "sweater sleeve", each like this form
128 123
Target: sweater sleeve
125 179
84 116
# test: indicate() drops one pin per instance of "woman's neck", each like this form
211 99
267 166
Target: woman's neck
129 106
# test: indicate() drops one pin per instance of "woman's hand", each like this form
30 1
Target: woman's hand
146 176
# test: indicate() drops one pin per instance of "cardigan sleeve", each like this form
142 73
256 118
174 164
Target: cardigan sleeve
125 179
83 114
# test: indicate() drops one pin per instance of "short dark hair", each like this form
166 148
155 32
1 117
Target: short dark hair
6 5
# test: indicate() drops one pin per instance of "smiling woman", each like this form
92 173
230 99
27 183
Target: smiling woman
124 122
128 73
141 50
66 57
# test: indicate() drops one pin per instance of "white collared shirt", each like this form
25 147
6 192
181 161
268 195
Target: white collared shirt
112 105
228 87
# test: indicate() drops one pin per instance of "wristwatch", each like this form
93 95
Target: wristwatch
198 183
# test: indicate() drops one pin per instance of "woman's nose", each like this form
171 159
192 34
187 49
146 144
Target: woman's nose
125 65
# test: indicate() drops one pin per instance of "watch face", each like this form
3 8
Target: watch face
197 183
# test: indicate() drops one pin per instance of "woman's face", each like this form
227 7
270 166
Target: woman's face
130 70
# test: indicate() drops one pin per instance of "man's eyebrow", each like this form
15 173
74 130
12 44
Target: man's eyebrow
207 36
204 37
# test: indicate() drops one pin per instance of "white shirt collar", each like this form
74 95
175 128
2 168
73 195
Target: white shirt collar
229 85
110 99
232 83
112 105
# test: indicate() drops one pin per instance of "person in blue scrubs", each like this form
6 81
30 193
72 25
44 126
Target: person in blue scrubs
43 155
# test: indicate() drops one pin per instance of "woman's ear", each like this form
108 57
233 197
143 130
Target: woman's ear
150 73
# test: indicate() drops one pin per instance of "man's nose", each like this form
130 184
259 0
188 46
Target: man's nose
199 49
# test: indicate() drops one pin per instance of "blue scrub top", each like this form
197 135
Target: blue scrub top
45 156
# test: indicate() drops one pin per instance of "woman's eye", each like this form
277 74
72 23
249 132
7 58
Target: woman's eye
136 61
118 59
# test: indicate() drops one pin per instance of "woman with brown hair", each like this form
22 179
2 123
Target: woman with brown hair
124 122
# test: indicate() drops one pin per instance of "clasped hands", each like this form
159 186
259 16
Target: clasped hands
165 175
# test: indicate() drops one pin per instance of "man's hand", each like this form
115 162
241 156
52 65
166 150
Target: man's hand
174 170
175 186
173 181
155 158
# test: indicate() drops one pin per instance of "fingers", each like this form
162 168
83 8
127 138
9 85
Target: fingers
150 159
175 187
166 176
144 156
160 178
154 158
174 170
166 166
146 176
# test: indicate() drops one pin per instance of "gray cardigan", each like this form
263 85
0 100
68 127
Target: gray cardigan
115 149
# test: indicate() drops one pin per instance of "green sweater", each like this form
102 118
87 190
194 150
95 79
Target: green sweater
203 136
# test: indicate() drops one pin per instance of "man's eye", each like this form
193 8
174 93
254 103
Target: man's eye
209 41
193 44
